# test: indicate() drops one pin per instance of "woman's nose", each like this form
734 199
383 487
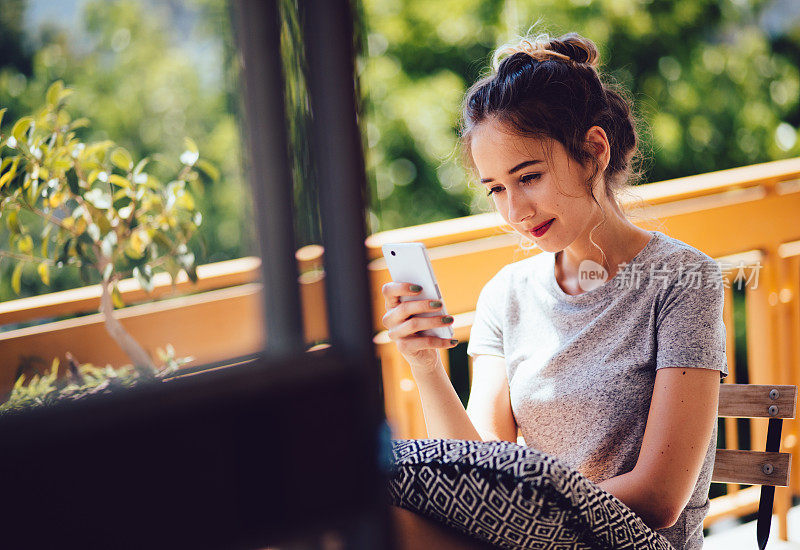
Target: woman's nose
519 207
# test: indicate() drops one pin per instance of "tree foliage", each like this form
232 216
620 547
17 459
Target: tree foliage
148 74
90 204
715 84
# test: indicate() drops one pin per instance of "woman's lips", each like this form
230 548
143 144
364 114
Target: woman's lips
542 229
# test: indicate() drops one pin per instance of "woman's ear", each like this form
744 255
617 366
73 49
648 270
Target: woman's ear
599 146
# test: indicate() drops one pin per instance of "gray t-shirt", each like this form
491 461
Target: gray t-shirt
581 368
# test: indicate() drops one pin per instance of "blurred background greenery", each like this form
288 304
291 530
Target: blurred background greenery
715 83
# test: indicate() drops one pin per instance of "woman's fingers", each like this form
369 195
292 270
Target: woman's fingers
416 324
403 320
406 310
392 291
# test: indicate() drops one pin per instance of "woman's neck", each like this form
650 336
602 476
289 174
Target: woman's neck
618 238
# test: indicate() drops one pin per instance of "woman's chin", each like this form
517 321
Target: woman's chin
545 245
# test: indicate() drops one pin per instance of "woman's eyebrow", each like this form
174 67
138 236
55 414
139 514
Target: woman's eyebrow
519 166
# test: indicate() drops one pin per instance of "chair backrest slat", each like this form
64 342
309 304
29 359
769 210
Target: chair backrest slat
735 466
754 401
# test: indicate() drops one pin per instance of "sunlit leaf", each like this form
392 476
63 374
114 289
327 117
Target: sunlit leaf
12 171
54 92
119 180
186 201
79 123
25 244
121 158
93 176
46 238
209 169
55 200
65 93
116 297
16 277
12 222
19 129
44 272
141 165
132 254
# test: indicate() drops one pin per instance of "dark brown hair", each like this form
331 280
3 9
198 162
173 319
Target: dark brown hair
550 87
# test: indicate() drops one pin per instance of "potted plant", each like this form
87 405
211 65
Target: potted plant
66 202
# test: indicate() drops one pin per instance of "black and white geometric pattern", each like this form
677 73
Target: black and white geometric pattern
512 496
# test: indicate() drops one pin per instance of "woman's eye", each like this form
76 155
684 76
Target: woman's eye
524 179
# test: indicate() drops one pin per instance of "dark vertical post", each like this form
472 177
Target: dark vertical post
766 501
258 26
339 163
328 36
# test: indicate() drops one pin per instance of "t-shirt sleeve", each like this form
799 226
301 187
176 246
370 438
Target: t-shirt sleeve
486 336
690 331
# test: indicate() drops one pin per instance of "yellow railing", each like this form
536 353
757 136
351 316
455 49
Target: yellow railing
746 216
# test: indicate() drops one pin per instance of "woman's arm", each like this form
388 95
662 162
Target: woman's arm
678 432
489 404
488 414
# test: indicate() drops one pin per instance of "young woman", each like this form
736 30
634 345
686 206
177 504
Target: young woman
616 374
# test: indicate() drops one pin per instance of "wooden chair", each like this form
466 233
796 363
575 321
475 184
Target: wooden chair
768 468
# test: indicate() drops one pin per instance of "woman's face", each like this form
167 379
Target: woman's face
531 187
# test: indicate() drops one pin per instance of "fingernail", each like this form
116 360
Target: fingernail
415 288
447 319
435 303
453 342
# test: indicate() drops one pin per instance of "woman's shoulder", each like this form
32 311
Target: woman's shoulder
682 268
674 254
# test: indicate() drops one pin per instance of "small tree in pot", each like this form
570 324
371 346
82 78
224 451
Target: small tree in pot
90 205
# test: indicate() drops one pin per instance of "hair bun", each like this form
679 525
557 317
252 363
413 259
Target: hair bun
569 47
578 48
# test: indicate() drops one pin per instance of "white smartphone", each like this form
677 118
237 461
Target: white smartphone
409 263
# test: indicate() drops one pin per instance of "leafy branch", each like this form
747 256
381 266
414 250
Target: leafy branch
94 207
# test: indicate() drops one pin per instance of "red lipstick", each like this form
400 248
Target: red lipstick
540 230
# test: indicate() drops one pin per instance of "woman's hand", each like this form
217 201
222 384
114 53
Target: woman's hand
419 350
